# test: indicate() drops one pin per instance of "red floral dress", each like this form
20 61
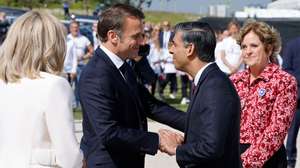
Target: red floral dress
268 105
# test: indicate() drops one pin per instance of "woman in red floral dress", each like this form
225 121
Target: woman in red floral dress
268 98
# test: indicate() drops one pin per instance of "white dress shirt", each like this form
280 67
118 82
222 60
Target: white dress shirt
36 124
81 44
199 73
232 54
70 62
168 66
117 61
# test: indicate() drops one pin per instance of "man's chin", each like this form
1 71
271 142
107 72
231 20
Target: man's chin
179 68
133 55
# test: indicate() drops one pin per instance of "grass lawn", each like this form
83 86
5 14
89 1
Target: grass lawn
174 18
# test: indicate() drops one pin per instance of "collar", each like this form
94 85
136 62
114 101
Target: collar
72 37
199 73
265 75
118 62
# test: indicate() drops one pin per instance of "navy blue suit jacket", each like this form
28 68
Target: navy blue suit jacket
114 117
291 61
213 124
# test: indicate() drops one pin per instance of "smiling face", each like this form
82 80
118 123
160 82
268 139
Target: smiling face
253 51
132 37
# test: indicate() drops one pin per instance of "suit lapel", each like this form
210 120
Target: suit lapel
118 77
115 71
203 76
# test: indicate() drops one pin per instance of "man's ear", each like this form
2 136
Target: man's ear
190 49
112 36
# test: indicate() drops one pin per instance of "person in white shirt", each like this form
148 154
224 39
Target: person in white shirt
155 57
170 71
84 48
168 65
70 62
36 123
96 42
228 52
84 51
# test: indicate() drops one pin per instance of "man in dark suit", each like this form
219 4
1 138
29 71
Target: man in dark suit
212 128
291 64
114 105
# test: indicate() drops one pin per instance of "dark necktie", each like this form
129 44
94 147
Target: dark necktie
129 75
132 84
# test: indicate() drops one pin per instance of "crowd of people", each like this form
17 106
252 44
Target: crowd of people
241 102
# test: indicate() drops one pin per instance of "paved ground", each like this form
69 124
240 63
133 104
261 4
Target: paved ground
160 160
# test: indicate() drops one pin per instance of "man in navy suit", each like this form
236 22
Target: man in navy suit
212 127
114 104
291 64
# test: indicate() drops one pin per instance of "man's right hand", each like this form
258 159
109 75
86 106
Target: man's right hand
168 141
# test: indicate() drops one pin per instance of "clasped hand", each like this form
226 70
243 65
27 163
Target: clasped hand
169 140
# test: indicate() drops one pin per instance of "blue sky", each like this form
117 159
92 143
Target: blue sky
201 6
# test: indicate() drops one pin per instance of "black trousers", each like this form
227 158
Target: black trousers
278 160
170 77
185 84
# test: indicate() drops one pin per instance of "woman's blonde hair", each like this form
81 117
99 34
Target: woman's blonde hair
35 42
268 35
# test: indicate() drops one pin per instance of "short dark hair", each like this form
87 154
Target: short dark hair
113 19
202 36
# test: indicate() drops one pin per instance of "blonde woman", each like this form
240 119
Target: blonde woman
36 122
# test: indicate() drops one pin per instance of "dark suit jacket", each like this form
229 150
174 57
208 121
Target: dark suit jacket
291 61
145 73
114 117
213 124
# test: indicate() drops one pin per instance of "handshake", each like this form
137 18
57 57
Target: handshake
169 140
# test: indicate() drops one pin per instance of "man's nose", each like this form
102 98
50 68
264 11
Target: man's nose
171 50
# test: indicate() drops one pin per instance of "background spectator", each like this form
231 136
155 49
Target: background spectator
84 51
4 25
291 64
229 58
